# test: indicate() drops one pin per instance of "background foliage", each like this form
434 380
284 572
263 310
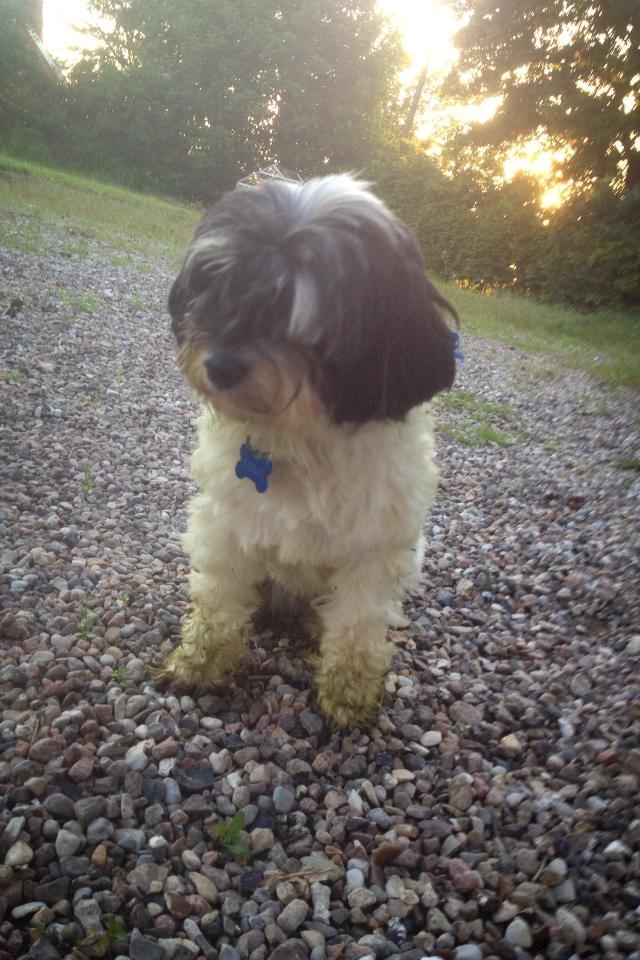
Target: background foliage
184 99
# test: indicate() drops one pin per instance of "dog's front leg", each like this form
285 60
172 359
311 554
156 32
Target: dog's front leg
355 653
215 634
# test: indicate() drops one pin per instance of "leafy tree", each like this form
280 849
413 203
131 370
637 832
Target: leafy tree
29 94
437 207
200 93
569 68
591 254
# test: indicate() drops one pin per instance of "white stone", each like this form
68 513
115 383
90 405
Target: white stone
431 738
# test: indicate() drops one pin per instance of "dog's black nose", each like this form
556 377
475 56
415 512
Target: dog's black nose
225 369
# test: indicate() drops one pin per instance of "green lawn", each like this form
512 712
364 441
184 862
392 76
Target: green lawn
83 209
34 198
606 343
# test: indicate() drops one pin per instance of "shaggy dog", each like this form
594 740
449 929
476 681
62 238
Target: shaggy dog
309 331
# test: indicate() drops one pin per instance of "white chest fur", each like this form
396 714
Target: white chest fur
334 491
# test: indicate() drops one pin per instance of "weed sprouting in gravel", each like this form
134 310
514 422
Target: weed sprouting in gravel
138 304
102 945
628 463
40 930
82 302
13 376
88 482
86 624
119 676
230 834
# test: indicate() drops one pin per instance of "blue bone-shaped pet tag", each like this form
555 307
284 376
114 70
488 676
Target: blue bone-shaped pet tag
457 352
255 466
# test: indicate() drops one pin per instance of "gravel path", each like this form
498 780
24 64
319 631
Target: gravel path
493 812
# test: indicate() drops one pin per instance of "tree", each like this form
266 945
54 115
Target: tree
566 68
201 93
30 99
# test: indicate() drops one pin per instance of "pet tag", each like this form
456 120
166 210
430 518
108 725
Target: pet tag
457 352
255 466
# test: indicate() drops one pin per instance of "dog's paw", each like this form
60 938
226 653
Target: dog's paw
185 674
206 658
348 698
181 674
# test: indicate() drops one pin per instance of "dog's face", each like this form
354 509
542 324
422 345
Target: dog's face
302 301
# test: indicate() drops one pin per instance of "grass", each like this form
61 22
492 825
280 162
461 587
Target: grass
119 676
86 624
594 408
475 419
83 302
605 343
88 482
628 463
231 836
138 303
13 376
464 400
476 435
88 209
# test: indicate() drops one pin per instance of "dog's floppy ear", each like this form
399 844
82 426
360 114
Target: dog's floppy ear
178 299
420 346
405 353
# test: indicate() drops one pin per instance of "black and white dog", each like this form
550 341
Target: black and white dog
313 338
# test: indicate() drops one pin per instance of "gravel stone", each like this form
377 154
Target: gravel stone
571 928
518 934
261 839
149 878
59 806
293 916
468 951
291 950
19 854
27 909
284 799
144 948
89 915
99 830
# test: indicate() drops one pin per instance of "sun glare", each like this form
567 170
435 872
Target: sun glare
542 162
60 18
555 195
427 28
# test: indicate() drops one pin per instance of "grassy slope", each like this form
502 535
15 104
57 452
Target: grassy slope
35 198
605 343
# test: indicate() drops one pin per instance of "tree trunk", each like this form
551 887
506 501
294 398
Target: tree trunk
632 177
415 103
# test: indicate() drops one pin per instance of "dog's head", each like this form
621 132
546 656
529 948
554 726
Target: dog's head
304 300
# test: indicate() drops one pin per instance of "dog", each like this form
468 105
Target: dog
307 327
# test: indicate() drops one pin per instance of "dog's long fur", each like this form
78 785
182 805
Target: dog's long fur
305 322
